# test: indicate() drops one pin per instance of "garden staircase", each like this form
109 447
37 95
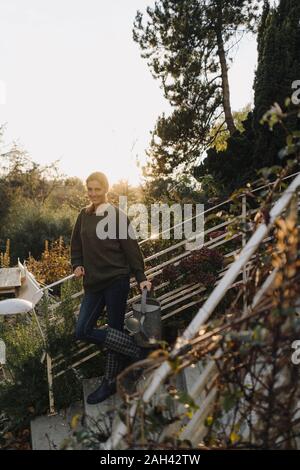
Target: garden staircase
240 253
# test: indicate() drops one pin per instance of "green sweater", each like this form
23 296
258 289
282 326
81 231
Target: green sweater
104 260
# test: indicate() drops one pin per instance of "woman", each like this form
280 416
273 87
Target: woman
106 265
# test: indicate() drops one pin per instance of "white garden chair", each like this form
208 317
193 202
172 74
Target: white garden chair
28 295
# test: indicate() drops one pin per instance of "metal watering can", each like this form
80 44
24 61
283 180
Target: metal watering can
145 323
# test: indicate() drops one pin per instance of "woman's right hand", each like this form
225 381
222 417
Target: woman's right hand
79 271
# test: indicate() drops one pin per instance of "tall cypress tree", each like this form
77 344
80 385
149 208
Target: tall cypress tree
278 67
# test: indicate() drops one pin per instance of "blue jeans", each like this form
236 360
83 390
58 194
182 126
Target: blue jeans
93 303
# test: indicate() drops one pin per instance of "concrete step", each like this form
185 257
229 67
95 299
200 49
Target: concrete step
99 418
51 432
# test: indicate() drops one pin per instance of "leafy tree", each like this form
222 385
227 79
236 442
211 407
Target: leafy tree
36 203
28 229
220 137
122 188
23 177
187 45
183 189
231 168
68 192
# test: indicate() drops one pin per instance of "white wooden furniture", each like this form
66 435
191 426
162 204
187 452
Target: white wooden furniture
28 292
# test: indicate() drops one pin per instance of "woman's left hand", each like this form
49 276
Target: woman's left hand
145 284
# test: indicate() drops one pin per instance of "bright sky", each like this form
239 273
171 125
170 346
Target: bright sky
73 86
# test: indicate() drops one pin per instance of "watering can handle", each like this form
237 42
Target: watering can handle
144 298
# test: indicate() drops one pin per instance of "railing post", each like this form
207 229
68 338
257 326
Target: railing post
158 377
244 241
52 410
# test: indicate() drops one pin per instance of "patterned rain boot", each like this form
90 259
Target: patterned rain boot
122 343
107 387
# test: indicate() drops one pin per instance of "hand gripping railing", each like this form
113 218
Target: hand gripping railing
208 307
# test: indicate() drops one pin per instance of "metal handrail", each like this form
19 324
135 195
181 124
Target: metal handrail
164 298
193 289
160 253
156 270
160 298
158 377
222 204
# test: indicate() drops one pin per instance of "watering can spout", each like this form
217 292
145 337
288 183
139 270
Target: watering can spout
145 323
